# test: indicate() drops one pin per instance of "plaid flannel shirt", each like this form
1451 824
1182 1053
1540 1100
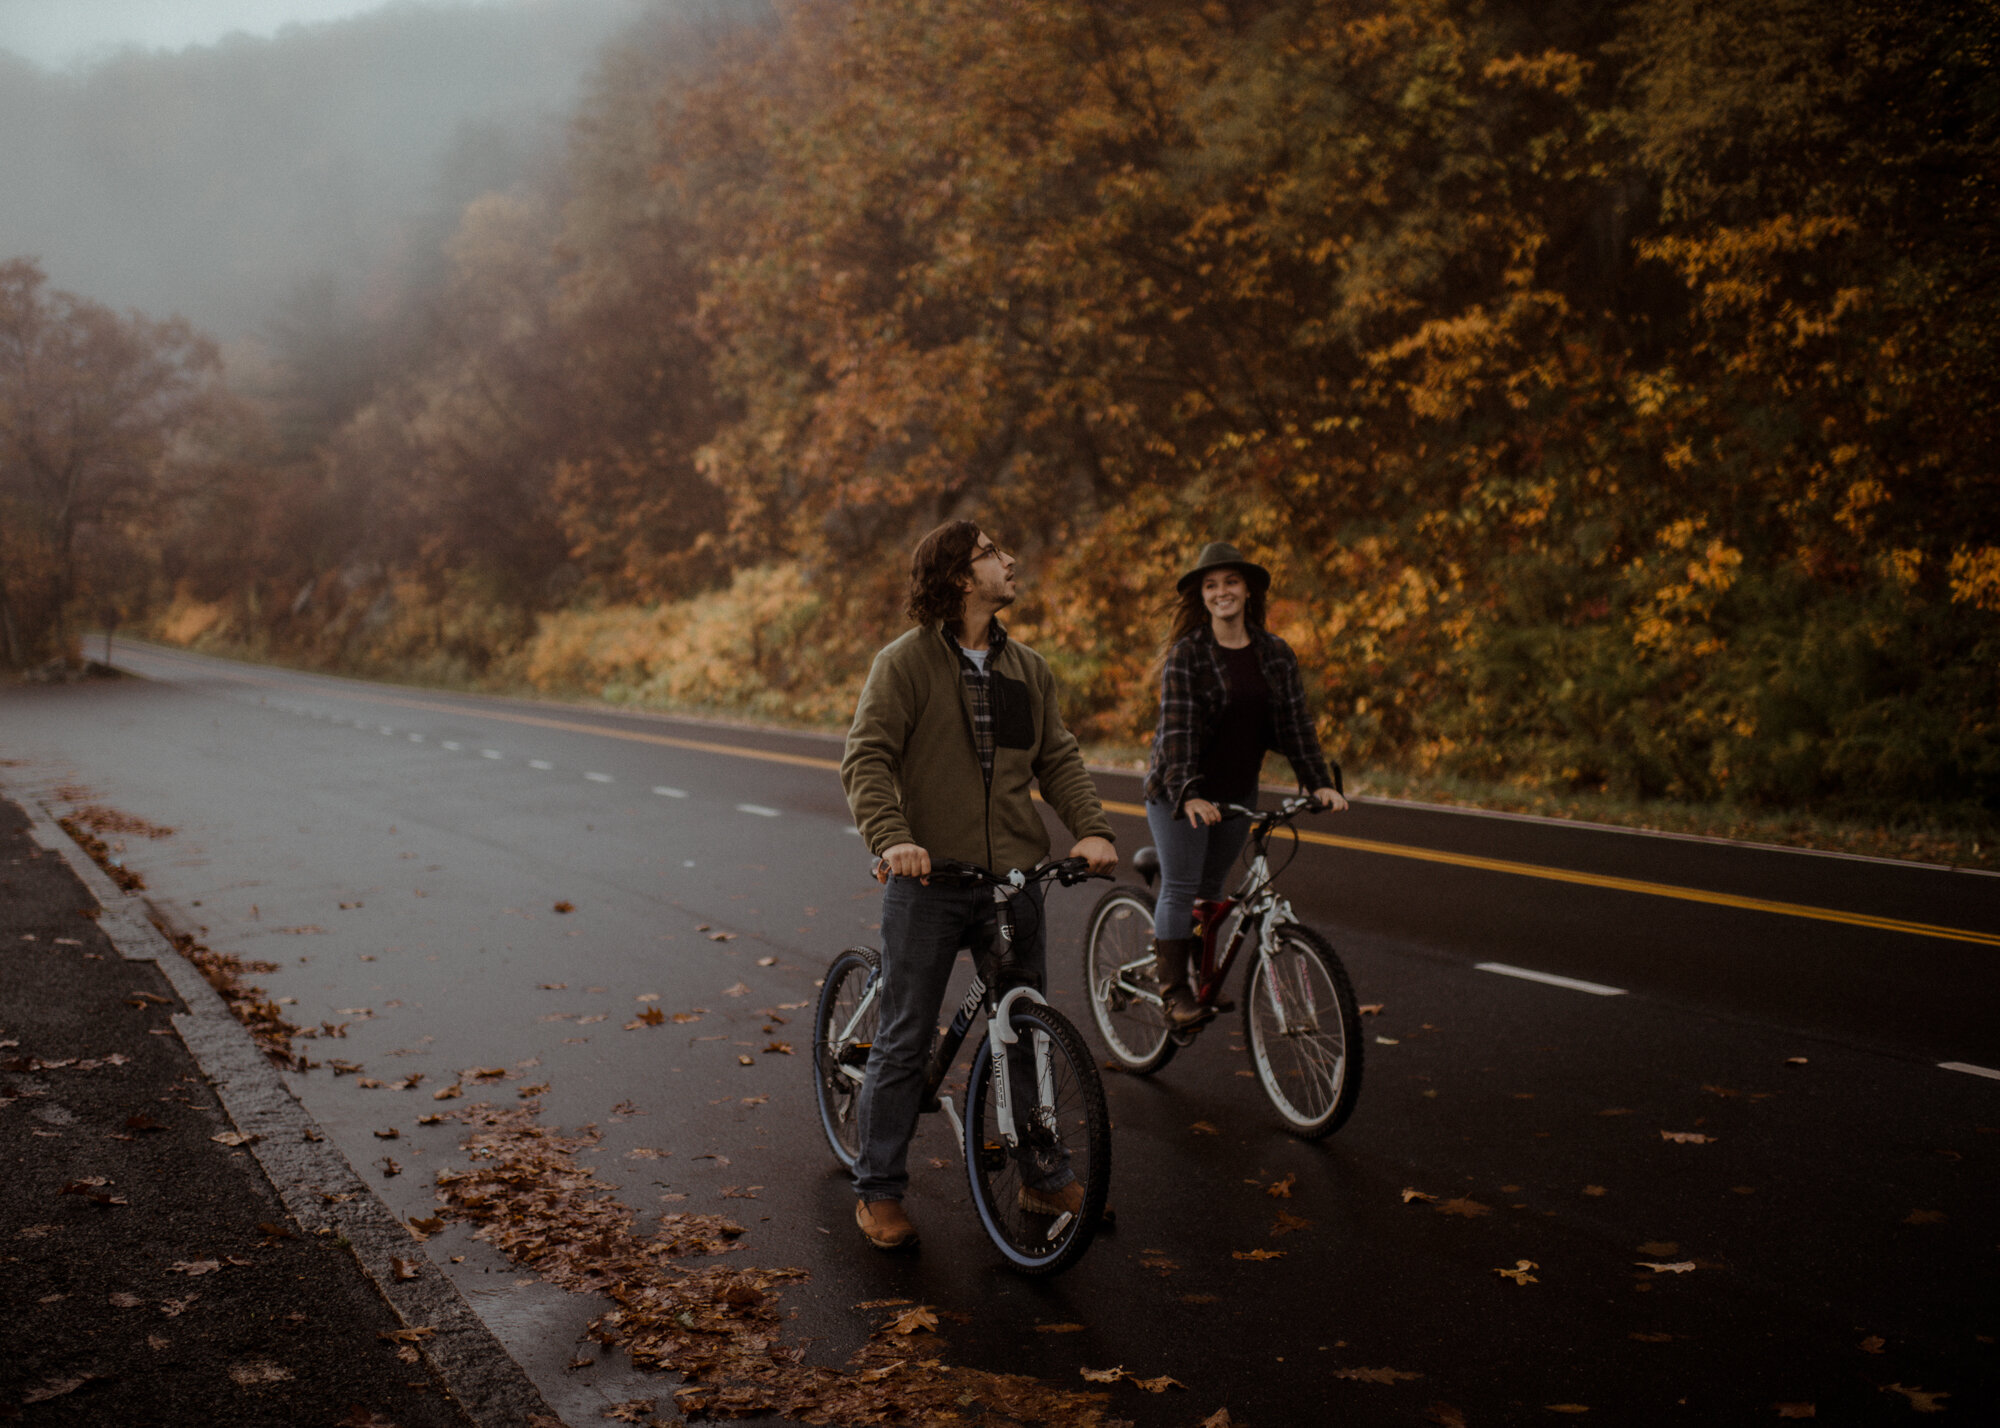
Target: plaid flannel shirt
1193 692
979 692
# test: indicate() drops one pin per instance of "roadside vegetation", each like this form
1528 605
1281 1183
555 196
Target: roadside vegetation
1601 383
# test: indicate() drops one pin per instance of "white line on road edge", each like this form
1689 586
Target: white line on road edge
1596 989
540 764
598 778
759 809
1969 1069
665 792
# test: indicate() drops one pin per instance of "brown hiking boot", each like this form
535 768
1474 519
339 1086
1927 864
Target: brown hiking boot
1066 1201
1171 956
885 1224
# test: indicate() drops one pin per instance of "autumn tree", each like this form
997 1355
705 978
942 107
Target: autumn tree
94 407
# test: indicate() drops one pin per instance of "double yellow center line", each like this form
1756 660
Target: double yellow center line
1326 840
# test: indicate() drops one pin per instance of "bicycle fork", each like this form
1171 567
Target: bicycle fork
1000 1035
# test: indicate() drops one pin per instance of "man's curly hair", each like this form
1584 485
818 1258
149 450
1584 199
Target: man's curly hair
942 559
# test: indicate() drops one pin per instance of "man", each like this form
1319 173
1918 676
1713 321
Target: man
953 723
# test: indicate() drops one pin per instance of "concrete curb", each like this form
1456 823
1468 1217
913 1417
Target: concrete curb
315 1181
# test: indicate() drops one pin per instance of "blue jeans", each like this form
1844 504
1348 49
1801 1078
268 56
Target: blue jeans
1194 862
922 930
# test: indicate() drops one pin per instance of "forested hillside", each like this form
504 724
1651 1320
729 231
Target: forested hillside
1608 387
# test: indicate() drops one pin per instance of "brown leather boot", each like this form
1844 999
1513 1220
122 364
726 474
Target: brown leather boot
1171 963
885 1223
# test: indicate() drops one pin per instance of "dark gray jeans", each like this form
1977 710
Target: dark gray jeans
922 931
1194 862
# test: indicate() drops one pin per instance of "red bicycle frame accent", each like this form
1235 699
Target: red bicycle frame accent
1209 916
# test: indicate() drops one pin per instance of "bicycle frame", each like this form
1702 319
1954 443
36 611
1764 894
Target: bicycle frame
987 967
1255 904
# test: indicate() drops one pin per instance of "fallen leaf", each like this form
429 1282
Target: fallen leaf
1687 1137
1471 1209
555 986
1375 1375
1288 1223
1924 1217
564 906
1204 1128
652 1016
739 990
390 1134
194 1268
767 961
778 1048
389 1167
1110 1375
403 1269
55 1388
423 1229
1797 1410
1795 1061
913 1321
746 1061
637 1410
1871 1345
1445 1416
1519 1273
1593 1190
1371 1008
1058 1328
528 1093
1409 1195
122 1300
174 1308
1921 1400
1387 1041
448 1093
258 1371
235 1138
1282 1189
1679 1266
1219 1419
1257 1254
1156 1385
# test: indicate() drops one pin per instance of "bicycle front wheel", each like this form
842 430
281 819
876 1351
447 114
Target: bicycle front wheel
1303 1029
1063 1133
1119 976
843 1035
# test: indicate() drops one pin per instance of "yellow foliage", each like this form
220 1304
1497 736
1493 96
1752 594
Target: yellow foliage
1975 577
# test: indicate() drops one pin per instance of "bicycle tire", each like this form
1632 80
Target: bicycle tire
1310 1066
840 1048
1077 1126
1118 934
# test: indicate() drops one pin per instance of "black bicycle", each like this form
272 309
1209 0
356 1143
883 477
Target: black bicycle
1033 1104
1300 1019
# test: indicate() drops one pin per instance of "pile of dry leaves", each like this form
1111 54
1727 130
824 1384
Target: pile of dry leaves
717 1325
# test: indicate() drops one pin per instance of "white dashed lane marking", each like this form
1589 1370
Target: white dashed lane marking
759 809
666 792
1596 989
1969 1069
598 777
540 764
489 753
452 745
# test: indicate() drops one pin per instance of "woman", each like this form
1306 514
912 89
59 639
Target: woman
1229 690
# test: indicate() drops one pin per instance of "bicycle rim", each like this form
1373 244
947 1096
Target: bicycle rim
843 1032
1118 952
1070 1126
1303 1031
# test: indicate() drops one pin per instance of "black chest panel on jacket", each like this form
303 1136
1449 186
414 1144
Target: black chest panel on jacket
1013 712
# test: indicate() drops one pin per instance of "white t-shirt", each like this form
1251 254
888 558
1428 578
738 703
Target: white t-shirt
978 657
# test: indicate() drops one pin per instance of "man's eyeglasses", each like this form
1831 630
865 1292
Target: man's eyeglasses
984 549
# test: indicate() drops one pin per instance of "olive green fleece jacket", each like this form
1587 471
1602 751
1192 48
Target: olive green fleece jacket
911 769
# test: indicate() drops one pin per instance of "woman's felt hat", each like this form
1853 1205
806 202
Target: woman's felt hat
1219 553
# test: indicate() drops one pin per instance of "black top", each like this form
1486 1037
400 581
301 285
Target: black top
1232 754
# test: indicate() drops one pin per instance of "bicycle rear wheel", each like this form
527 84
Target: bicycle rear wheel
1303 1029
1062 1123
843 1034
1118 964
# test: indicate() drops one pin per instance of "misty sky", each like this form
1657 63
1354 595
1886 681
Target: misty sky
58 32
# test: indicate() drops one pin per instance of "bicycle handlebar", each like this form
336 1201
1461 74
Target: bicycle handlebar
1068 871
1284 813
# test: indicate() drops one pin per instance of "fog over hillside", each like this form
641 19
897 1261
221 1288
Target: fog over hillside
221 181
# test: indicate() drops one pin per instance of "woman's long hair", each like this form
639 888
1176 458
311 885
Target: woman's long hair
1186 614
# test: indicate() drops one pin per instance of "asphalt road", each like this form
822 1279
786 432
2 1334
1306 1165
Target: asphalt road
400 852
